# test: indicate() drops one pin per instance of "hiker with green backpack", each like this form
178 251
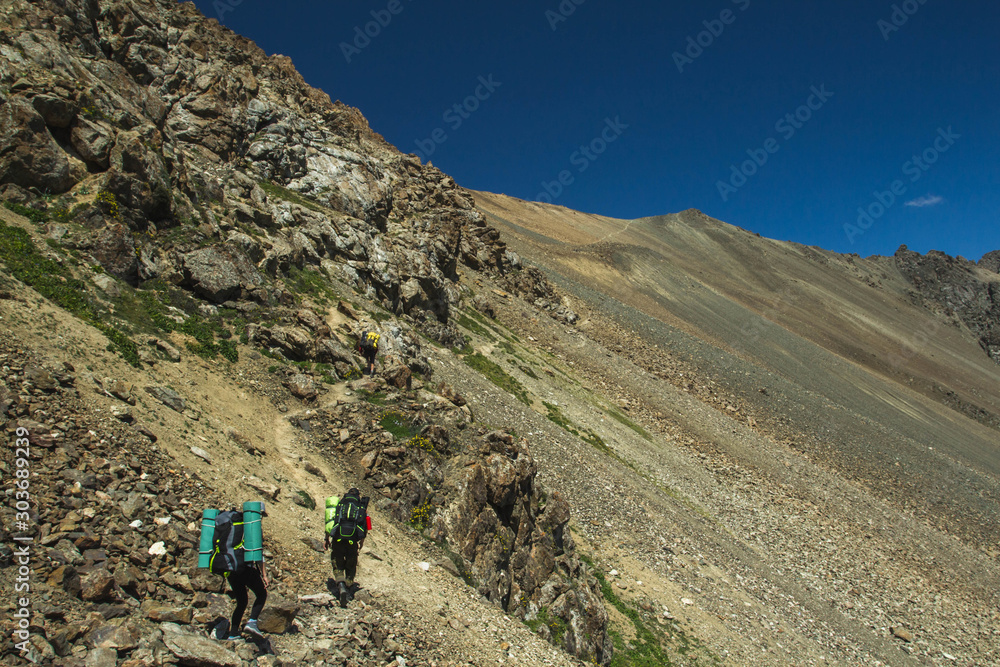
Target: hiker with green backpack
232 545
347 525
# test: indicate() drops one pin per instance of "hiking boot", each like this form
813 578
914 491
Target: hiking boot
233 638
251 627
343 595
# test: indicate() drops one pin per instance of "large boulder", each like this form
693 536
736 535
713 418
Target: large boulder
98 586
114 248
221 274
302 386
55 111
92 142
278 616
397 375
191 649
29 155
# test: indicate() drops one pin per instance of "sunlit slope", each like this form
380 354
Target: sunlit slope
852 371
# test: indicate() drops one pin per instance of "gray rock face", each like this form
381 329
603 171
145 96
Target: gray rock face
29 156
513 539
92 142
991 261
953 286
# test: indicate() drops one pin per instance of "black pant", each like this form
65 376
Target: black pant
239 581
370 359
344 558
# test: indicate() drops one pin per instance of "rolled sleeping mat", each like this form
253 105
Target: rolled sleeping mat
331 513
207 534
253 532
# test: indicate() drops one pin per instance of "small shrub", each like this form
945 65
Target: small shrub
421 515
108 203
395 423
310 504
420 442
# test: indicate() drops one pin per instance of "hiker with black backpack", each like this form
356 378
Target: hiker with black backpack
233 546
346 528
368 347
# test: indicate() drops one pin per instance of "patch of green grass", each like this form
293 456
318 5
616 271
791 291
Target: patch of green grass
556 416
619 417
279 192
32 214
465 349
54 282
400 427
203 330
475 328
375 398
527 371
492 372
311 281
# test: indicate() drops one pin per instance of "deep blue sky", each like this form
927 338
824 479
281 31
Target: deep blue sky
615 60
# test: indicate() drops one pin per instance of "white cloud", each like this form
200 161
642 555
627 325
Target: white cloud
926 200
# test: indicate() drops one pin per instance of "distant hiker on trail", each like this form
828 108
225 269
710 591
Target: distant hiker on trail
347 525
368 347
232 544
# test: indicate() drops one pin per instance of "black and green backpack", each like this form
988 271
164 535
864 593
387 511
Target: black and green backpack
350 523
227 544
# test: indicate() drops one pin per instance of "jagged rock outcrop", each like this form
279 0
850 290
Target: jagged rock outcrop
225 166
991 261
956 287
531 285
479 497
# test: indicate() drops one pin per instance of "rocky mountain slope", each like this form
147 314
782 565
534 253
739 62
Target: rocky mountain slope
664 441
